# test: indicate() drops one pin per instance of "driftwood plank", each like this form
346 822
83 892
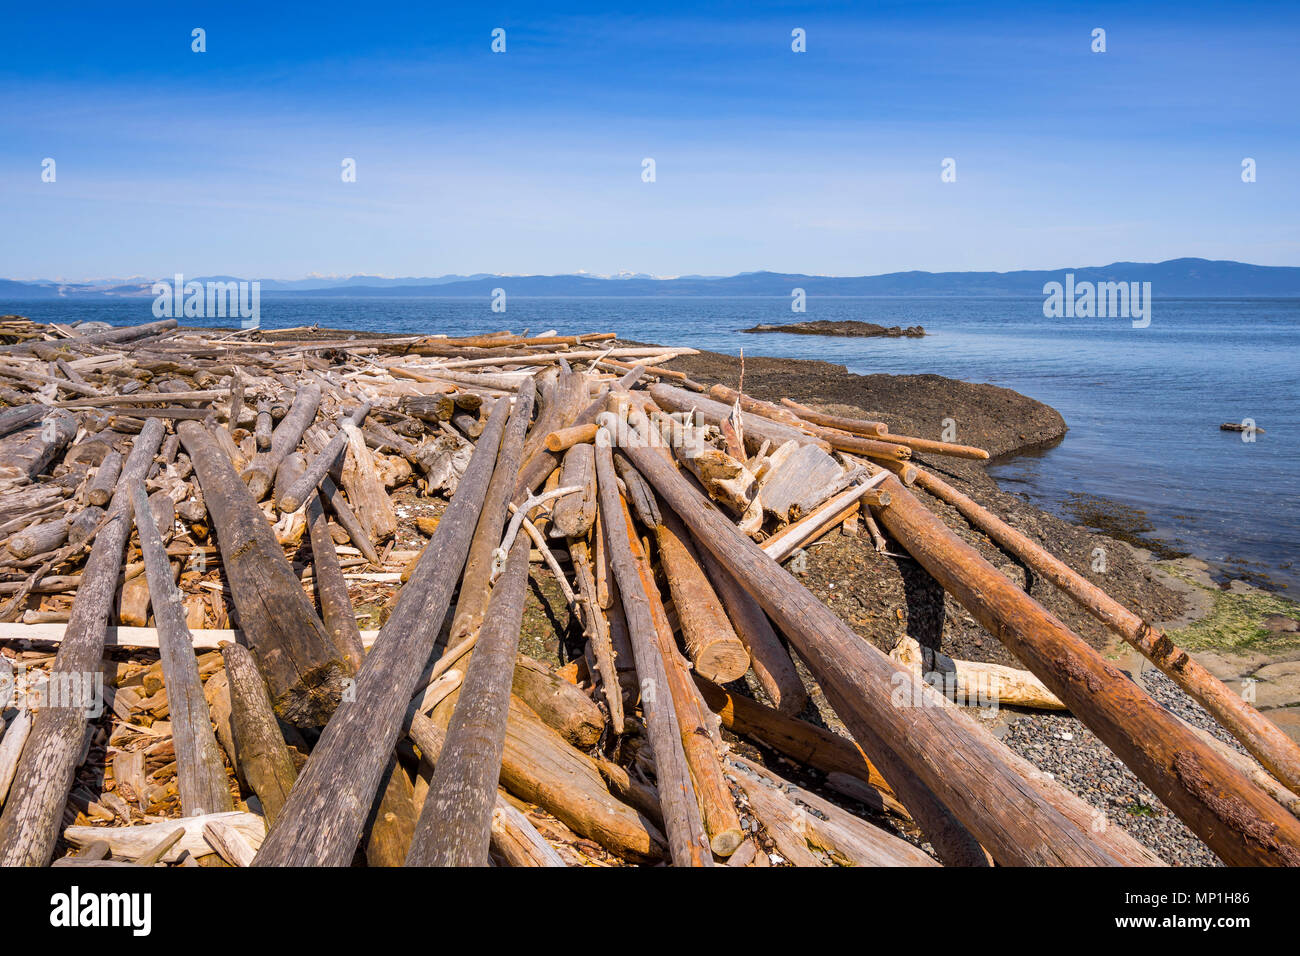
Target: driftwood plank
200 774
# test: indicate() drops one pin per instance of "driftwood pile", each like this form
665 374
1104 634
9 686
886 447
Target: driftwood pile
194 528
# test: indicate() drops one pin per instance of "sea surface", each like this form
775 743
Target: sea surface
1143 405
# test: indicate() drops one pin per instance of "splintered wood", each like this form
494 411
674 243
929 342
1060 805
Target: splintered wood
263 595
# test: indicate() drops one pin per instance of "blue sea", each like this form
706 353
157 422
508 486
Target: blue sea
1143 405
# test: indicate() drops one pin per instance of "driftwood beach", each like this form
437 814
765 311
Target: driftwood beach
274 598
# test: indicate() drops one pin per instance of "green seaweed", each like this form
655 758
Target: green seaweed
1235 621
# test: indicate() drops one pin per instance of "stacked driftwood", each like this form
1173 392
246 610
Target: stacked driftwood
263 597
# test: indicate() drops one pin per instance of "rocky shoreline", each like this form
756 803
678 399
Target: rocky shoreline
849 329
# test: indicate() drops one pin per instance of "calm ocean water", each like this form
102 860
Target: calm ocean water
1143 405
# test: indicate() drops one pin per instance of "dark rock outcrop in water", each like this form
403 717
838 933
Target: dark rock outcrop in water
847 329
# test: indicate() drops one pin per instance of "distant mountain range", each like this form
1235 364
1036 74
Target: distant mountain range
1190 278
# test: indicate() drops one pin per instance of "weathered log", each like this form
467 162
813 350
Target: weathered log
756 428
1270 746
235 407
321 464
517 841
39 538
748 403
132 841
200 774
456 821
365 489
455 824
105 480
259 748
290 470
855 425
332 589
303 670
799 740
539 767
597 629
30 821
687 841
123 334
262 425
473 600
12 419
813 525
11 748
26 453
535 470
559 703
260 474
325 813
573 515
348 520
845 838
957 760
1239 823
974 683
560 402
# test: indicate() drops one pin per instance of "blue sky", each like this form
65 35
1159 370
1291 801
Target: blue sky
530 161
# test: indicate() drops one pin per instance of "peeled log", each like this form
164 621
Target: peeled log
1279 754
559 703
711 642
687 841
799 740
1238 822
768 657
717 808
